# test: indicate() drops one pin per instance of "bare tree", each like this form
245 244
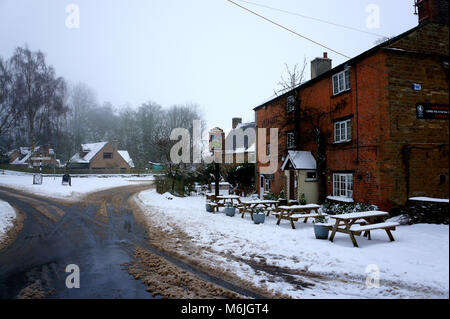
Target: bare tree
292 79
9 112
37 89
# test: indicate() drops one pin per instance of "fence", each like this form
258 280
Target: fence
51 170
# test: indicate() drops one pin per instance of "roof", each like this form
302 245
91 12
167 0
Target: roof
25 154
126 157
300 160
342 65
252 143
91 149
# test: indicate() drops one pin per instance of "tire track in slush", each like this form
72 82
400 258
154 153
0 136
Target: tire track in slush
101 233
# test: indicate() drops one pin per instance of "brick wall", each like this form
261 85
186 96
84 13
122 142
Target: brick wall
382 108
116 162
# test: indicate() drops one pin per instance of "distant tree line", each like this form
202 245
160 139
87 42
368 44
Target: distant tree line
37 107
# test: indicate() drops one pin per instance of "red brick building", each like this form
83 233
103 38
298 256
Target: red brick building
377 124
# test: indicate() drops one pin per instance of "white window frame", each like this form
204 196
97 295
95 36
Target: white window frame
290 104
267 185
343 185
290 141
343 131
341 82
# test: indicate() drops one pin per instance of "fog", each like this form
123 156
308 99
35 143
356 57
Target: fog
208 52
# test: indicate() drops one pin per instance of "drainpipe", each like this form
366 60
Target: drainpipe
357 114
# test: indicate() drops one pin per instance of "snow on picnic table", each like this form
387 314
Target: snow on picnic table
415 265
81 185
7 217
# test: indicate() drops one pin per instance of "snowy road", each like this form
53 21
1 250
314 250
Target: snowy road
101 236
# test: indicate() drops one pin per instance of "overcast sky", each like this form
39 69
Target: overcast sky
208 52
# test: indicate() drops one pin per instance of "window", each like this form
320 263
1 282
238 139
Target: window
311 176
343 131
268 150
290 140
267 185
343 185
290 103
341 82
107 155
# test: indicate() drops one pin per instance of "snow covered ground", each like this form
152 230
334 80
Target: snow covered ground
7 217
81 186
416 265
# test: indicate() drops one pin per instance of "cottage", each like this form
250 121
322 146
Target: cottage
100 156
376 125
24 157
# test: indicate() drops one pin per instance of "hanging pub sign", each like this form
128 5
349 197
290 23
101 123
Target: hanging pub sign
431 111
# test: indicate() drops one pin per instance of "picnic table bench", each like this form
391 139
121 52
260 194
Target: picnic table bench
296 212
249 206
354 224
220 201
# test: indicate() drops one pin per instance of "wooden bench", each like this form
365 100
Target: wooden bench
387 226
354 224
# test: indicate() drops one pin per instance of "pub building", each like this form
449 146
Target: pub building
374 129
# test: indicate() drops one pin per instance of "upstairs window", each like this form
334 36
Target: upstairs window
290 140
290 104
107 155
341 82
268 150
343 131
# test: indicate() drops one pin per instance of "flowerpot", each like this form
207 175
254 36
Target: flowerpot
209 208
230 211
259 218
321 231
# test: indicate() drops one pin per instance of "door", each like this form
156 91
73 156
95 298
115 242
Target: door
291 185
261 187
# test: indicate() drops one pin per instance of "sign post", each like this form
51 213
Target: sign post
37 178
217 147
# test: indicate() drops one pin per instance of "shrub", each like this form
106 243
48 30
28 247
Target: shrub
333 208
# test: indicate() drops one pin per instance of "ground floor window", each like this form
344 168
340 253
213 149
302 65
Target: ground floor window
267 185
311 176
343 185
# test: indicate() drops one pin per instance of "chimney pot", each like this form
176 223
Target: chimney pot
235 121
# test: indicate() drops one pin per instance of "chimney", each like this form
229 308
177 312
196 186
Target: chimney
115 145
320 65
435 11
235 122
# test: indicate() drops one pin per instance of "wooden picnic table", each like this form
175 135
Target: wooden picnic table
221 201
362 222
249 206
296 212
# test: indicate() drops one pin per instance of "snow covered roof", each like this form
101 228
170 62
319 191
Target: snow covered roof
23 160
300 160
429 199
126 157
91 149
